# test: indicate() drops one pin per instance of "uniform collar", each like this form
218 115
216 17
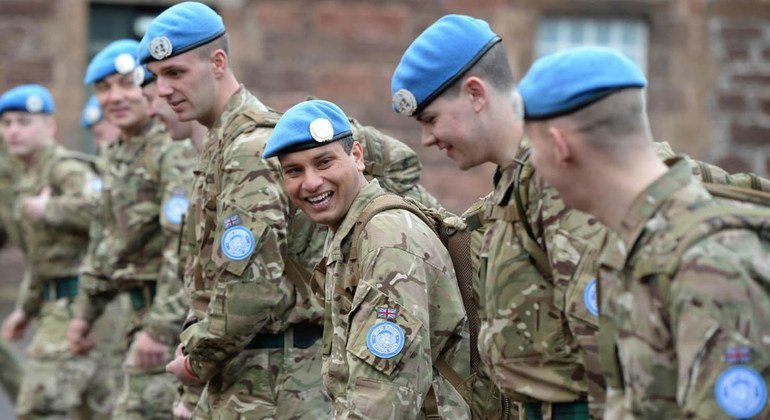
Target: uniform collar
348 223
242 98
650 200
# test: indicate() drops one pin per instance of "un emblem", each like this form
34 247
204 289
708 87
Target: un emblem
589 298
741 392
160 47
34 104
385 339
404 102
237 243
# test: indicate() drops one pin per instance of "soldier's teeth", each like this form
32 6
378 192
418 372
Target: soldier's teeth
319 198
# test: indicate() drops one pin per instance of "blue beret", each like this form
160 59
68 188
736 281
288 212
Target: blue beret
180 28
307 125
119 57
437 58
92 113
27 98
563 82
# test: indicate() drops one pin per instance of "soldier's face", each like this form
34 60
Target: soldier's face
324 181
122 102
187 83
178 130
26 134
451 124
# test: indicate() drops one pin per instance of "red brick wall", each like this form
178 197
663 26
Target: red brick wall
708 64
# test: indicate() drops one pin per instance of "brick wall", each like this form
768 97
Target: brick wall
708 64
741 97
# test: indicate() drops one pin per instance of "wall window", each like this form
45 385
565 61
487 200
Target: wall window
629 36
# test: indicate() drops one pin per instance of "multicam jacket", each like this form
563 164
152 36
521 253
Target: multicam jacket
54 246
144 196
695 344
403 280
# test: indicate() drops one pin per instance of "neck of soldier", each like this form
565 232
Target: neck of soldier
127 132
31 159
228 85
620 181
509 128
198 136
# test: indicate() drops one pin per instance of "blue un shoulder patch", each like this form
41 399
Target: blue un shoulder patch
237 243
741 392
590 299
385 339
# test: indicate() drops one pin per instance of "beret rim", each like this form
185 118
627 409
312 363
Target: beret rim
178 51
576 107
447 83
307 146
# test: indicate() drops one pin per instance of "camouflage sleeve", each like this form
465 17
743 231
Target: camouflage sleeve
719 314
30 297
401 281
251 293
72 202
716 175
167 313
95 290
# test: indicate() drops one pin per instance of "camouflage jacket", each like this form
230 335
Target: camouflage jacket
9 171
683 348
402 286
143 199
54 246
239 213
536 316
539 336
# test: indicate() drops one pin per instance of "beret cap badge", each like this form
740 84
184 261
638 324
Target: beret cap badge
404 102
322 130
160 47
34 103
125 63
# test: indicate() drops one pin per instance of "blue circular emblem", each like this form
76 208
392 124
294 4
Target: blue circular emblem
97 185
175 208
237 243
741 392
385 339
589 297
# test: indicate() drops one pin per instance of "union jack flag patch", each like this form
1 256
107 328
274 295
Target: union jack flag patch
737 355
232 221
384 312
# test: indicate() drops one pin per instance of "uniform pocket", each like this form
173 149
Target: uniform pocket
381 331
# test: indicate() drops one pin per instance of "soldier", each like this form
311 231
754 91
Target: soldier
51 210
196 133
259 357
143 201
455 80
92 119
686 287
393 311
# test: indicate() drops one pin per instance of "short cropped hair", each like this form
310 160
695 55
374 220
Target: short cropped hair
493 67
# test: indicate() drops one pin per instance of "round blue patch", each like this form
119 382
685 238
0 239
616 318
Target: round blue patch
97 185
237 243
385 339
175 208
741 392
589 297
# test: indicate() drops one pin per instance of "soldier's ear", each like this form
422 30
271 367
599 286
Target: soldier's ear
219 61
358 155
477 91
559 143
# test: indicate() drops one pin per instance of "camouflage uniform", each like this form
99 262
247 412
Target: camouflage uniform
671 340
10 367
144 183
57 383
394 246
274 372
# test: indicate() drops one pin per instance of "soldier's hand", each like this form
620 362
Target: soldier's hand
79 336
181 411
34 207
15 324
148 353
180 367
